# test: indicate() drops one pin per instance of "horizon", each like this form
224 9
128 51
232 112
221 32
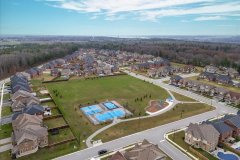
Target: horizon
120 18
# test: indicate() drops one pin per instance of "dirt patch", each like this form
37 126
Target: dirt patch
156 105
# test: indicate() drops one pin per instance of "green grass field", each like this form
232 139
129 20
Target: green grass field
178 112
5 131
55 122
124 89
6 111
179 139
64 134
180 97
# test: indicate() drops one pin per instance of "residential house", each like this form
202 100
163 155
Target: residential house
20 94
224 130
188 69
29 134
19 82
55 72
176 80
224 79
33 109
117 156
144 151
218 93
232 73
203 136
232 98
208 76
20 104
66 73
234 123
210 69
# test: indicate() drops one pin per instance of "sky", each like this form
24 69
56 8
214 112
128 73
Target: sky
119 17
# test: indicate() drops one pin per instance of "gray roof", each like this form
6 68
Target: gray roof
221 127
235 120
31 109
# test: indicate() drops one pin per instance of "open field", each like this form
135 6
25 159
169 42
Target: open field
180 97
55 122
178 112
178 138
124 89
231 88
5 131
6 111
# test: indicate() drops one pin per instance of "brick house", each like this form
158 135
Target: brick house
203 136
29 134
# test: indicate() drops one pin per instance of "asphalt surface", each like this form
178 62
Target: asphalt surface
156 135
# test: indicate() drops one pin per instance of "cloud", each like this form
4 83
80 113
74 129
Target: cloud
150 9
209 18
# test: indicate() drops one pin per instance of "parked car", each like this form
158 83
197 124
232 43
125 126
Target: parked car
103 151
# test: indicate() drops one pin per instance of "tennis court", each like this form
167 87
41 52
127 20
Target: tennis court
91 110
110 105
109 115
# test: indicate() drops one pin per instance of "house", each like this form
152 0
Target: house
24 74
18 105
210 69
218 93
117 156
224 79
29 134
66 73
203 136
234 123
232 98
176 80
19 82
188 69
33 109
208 76
232 73
224 130
55 72
144 151
20 94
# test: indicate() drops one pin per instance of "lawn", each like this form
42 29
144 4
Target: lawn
178 138
6 111
180 97
55 122
178 112
6 96
231 88
124 89
49 104
64 134
5 131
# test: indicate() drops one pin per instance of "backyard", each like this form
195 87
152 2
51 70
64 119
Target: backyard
178 112
78 93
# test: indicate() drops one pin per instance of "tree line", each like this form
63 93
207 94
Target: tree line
17 58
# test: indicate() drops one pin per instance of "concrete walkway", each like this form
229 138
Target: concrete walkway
5 140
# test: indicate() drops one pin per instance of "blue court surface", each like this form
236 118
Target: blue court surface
90 110
110 105
109 115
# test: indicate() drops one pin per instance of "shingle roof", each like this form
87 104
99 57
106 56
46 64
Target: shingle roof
235 121
221 127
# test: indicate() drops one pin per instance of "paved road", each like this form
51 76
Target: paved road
156 135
